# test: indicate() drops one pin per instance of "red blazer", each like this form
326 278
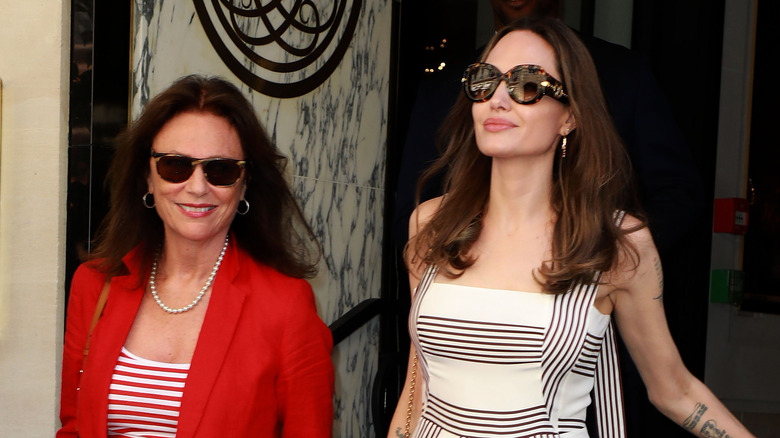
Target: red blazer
261 367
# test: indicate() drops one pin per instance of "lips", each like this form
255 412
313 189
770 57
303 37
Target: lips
495 124
196 208
515 3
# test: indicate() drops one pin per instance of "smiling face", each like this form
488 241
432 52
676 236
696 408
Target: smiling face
506 129
195 210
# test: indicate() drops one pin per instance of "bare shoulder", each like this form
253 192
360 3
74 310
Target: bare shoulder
414 252
422 214
638 234
638 256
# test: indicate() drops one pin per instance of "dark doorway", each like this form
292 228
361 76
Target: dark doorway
429 38
761 258
99 100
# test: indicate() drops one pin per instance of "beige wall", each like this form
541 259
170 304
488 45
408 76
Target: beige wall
34 53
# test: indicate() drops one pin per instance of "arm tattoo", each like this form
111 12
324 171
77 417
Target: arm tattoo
693 419
398 432
660 273
710 430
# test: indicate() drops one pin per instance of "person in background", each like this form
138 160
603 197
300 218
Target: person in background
209 328
537 241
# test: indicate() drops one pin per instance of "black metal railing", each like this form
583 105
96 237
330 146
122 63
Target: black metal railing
354 319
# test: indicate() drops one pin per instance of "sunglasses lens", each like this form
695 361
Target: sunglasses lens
523 85
222 172
219 171
174 169
524 93
481 81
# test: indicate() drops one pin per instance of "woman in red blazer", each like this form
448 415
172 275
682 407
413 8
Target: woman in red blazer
209 328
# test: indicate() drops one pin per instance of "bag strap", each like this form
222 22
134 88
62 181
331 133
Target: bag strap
410 406
101 304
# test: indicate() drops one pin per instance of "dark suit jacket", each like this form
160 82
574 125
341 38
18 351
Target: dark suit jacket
261 366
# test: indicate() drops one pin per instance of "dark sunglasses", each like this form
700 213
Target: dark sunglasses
526 84
222 172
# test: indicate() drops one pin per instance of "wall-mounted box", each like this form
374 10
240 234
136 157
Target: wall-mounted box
730 215
726 286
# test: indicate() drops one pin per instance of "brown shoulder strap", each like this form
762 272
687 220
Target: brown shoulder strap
101 304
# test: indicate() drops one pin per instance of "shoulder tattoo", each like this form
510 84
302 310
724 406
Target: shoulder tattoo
659 272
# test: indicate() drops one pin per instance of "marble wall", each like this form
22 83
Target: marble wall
335 137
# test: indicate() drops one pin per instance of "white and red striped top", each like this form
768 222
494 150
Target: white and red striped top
145 396
514 364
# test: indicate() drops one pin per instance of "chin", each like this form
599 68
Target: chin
497 152
197 234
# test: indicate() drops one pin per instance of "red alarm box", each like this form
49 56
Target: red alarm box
731 215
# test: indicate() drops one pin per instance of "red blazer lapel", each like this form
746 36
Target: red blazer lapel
216 334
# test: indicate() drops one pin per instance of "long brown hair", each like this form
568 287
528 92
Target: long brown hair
590 185
274 230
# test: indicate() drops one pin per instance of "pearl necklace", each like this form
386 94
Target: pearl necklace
189 306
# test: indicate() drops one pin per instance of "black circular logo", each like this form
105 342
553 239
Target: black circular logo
284 48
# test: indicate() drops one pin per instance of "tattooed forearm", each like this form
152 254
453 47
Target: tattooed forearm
710 430
693 420
399 432
660 273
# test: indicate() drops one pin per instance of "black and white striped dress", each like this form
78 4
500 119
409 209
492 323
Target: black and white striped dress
499 363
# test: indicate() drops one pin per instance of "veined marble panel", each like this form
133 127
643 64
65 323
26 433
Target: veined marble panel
335 137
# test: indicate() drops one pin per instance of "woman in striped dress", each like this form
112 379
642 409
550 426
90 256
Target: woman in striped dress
517 269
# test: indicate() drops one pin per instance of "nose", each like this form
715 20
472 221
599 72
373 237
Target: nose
197 183
500 97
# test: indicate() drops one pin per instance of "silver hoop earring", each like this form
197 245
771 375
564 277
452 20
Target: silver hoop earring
245 211
563 147
145 200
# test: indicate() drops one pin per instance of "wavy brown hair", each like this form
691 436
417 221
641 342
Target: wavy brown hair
274 231
590 185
